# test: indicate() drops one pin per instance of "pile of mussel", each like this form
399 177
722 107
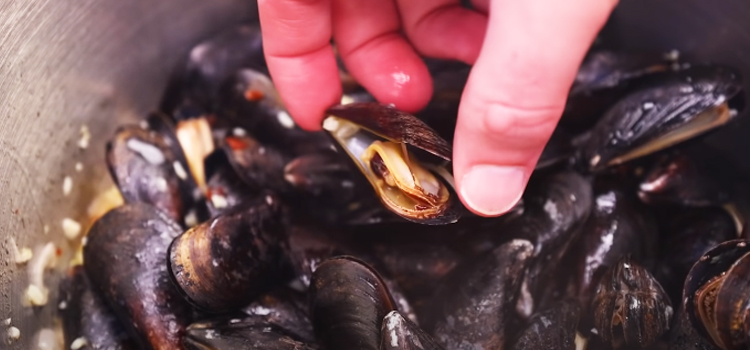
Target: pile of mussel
239 230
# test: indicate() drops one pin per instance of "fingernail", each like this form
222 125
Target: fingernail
492 190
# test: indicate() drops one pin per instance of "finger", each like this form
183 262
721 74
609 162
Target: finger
296 44
443 29
516 93
367 35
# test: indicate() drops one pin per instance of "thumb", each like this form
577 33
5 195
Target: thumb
516 93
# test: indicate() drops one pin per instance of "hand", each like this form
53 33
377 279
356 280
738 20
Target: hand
525 55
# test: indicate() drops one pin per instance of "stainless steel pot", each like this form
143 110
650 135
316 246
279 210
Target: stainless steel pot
66 64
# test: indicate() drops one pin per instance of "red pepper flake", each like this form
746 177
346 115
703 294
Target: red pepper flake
253 95
236 143
58 252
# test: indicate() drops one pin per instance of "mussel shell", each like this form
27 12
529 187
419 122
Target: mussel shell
685 337
553 328
224 189
195 89
86 315
418 268
224 263
125 260
260 166
630 307
146 169
475 307
285 308
398 333
733 306
348 303
394 125
694 176
241 334
715 262
650 113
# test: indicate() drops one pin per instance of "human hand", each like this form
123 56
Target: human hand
525 55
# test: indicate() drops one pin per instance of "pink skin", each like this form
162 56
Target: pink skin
525 56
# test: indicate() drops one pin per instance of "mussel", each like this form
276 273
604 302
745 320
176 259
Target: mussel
679 107
226 262
146 168
241 334
125 260
553 328
716 295
376 136
630 307
476 305
398 333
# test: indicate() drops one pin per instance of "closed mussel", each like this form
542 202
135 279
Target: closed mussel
630 307
226 262
398 333
375 137
260 166
476 305
716 295
241 334
348 301
553 328
672 110
146 168
125 260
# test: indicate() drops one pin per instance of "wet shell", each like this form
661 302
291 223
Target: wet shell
680 107
630 307
348 303
260 166
224 263
401 334
146 169
552 329
124 259
477 304
241 334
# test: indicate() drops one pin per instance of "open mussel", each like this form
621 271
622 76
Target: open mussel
226 262
125 260
630 307
677 108
716 295
376 136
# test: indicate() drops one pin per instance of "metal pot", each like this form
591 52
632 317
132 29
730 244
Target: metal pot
66 65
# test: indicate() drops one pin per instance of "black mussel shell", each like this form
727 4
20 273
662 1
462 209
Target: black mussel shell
325 174
241 334
619 225
226 262
195 89
696 176
146 169
286 308
553 328
394 125
630 307
685 337
252 103
555 208
348 300
715 296
398 333
125 260
86 316
260 166
672 110
476 306
224 189
605 76
688 235
558 149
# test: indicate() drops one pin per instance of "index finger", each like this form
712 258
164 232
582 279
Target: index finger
296 44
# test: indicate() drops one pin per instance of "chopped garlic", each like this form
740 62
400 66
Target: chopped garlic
46 229
7 321
78 343
36 296
14 334
79 166
71 228
83 142
21 256
219 201
67 185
